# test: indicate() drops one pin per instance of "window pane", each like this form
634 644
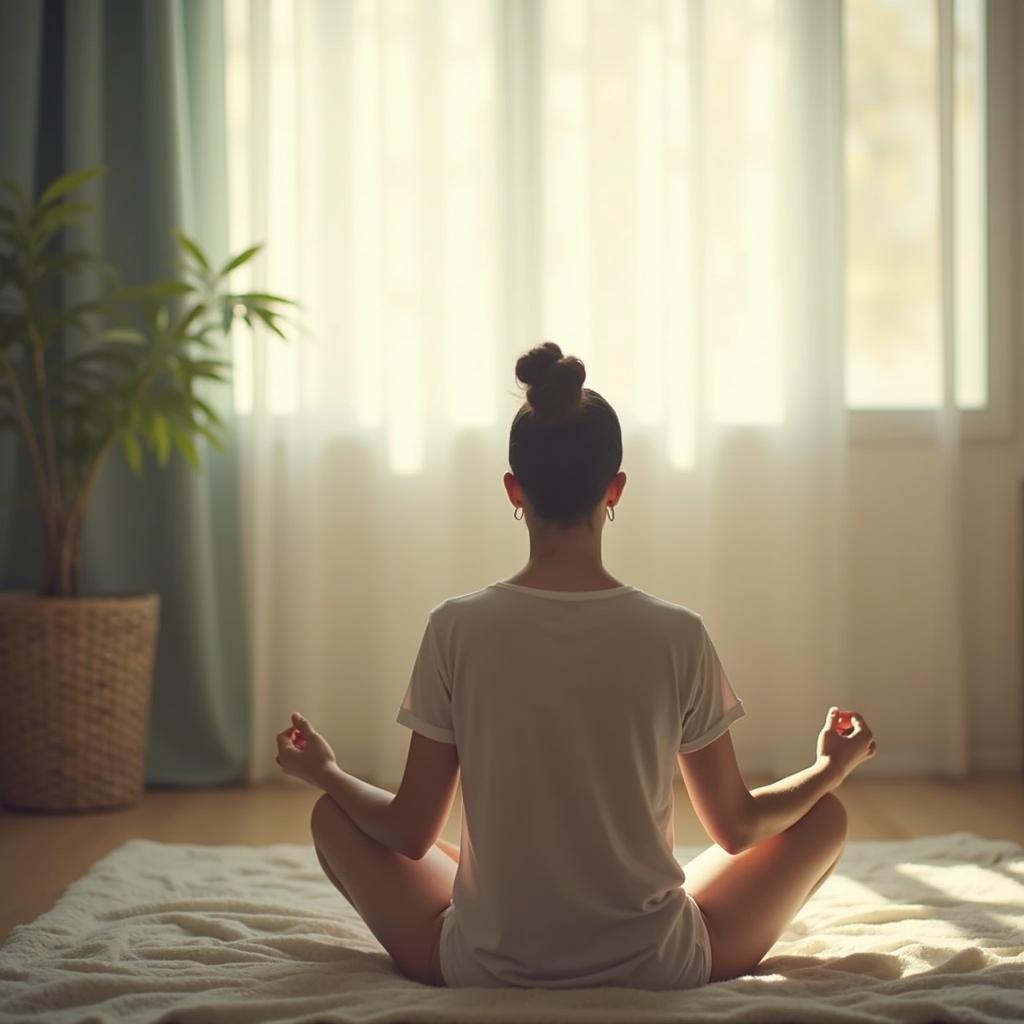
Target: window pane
893 308
969 231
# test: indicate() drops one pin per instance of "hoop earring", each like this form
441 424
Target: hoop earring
611 513
516 515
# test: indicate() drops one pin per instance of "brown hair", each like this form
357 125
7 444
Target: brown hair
565 445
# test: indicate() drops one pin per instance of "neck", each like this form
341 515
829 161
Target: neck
569 556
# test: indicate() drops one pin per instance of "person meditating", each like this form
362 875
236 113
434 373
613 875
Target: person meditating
566 697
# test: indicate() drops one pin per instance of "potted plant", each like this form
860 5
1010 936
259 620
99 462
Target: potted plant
128 369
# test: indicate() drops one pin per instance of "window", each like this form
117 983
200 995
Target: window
922 81
636 153
908 130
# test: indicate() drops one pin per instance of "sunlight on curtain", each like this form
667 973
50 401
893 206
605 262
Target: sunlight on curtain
679 280
470 230
366 215
969 233
608 171
741 151
895 208
659 189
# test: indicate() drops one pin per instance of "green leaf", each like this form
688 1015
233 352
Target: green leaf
237 261
142 421
123 335
168 400
203 364
114 356
268 318
206 367
153 292
91 392
220 376
208 410
46 225
189 319
16 237
11 186
132 451
200 337
185 444
72 261
161 439
217 440
70 182
192 248
249 298
73 313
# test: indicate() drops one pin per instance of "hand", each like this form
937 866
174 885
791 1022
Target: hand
845 741
303 752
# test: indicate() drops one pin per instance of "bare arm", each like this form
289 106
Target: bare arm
369 806
409 821
776 806
737 818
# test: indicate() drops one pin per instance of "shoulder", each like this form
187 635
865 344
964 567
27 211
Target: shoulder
443 616
677 620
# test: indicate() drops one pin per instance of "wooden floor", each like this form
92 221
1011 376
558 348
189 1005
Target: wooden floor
40 854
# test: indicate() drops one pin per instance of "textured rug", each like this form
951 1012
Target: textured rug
926 930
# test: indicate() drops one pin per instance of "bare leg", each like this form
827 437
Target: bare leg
330 874
748 899
402 901
450 848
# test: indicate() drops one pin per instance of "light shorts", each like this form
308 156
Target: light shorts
696 971
703 941
444 928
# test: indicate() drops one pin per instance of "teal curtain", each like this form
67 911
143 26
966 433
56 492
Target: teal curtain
138 85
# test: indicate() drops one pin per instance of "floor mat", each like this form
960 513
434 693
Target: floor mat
924 930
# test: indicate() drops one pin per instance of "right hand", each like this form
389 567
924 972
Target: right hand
845 752
303 752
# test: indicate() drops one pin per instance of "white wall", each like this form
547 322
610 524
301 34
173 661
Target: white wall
898 565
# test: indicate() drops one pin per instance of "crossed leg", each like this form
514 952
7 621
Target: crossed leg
748 899
401 900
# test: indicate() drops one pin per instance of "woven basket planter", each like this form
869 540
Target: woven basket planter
75 684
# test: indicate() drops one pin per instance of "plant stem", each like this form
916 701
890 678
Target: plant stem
76 515
70 550
50 528
45 412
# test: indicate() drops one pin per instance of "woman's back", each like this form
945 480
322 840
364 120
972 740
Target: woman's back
568 710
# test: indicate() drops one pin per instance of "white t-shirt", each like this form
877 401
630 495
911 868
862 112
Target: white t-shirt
567 710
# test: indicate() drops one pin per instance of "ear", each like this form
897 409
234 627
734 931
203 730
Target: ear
617 486
512 488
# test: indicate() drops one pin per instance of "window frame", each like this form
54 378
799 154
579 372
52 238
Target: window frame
995 420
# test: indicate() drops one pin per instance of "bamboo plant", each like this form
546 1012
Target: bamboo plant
130 368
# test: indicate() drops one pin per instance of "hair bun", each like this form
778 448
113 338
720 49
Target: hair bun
554 382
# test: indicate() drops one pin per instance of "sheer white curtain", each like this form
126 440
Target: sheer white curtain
659 188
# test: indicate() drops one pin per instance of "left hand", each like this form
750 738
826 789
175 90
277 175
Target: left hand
303 752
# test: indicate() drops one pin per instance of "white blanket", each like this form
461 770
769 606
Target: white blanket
926 930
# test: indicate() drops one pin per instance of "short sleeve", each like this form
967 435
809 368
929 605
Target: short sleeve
427 705
713 704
